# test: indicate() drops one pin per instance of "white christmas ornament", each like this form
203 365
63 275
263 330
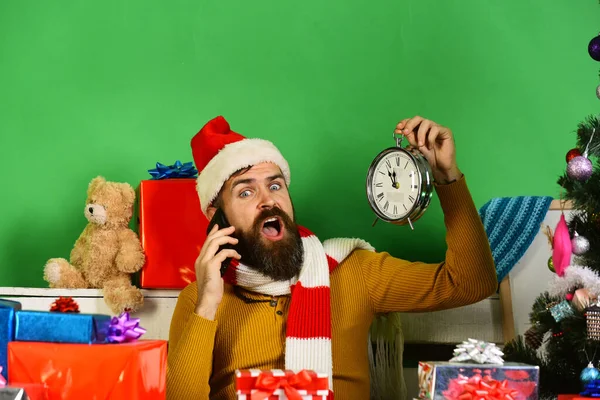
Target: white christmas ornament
575 276
479 351
580 244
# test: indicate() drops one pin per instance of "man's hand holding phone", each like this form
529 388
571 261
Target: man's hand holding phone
208 270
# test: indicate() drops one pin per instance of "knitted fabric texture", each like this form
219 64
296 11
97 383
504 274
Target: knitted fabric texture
511 224
308 331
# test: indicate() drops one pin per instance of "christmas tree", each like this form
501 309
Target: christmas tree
564 337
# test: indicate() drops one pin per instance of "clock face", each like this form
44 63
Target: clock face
394 184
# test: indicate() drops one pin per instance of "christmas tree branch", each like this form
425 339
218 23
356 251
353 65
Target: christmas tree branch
584 133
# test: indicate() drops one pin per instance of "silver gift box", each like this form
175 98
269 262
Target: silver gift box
13 393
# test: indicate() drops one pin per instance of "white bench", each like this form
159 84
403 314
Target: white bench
482 320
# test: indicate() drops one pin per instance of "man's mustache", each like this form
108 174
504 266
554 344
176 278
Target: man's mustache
271 212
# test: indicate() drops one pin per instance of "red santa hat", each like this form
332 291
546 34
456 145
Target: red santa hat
219 152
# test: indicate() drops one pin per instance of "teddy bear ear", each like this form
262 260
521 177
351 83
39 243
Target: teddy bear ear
128 193
95 183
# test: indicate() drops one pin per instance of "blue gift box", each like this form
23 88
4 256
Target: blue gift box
7 330
61 327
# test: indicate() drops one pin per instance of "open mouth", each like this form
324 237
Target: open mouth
272 228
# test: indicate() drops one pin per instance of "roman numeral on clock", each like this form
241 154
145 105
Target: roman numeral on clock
412 199
379 184
386 205
379 196
387 162
397 161
406 165
395 209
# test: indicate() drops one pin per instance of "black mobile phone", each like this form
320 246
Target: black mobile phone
220 219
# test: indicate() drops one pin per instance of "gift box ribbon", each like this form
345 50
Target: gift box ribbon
267 384
478 387
177 170
124 329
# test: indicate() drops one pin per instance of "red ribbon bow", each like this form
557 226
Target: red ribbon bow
479 388
267 384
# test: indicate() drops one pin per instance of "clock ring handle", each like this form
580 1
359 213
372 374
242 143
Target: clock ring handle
398 137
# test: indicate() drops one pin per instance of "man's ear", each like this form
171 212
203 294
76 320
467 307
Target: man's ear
210 211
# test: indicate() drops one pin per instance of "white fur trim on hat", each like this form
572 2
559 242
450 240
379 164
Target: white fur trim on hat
231 158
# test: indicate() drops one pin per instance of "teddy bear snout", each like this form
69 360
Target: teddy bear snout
95 213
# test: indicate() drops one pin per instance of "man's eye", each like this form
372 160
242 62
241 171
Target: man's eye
245 193
275 186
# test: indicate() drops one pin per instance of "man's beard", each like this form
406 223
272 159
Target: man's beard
280 260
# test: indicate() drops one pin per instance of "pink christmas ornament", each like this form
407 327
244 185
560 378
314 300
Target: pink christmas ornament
561 252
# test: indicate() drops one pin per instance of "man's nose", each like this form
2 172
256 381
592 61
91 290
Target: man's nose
266 200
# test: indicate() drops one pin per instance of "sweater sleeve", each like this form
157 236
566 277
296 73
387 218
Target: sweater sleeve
466 276
191 343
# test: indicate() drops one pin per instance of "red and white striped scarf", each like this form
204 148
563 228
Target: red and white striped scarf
308 331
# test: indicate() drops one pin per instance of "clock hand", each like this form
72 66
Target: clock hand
395 183
390 175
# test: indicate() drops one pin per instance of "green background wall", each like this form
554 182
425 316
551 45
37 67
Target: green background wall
111 87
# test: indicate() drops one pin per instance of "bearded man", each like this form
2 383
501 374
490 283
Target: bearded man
290 301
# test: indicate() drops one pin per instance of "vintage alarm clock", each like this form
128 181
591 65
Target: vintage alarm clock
399 184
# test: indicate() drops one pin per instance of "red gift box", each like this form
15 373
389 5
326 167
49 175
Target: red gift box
571 397
126 371
278 384
172 229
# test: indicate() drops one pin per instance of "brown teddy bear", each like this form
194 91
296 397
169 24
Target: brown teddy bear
106 252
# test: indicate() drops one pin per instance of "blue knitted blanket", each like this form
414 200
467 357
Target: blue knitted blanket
511 224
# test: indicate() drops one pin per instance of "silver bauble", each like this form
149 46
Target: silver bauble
580 245
580 168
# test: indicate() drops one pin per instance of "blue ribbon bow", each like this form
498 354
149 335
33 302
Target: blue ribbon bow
177 170
592 389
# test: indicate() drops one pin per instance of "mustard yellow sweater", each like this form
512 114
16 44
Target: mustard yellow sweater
249 328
